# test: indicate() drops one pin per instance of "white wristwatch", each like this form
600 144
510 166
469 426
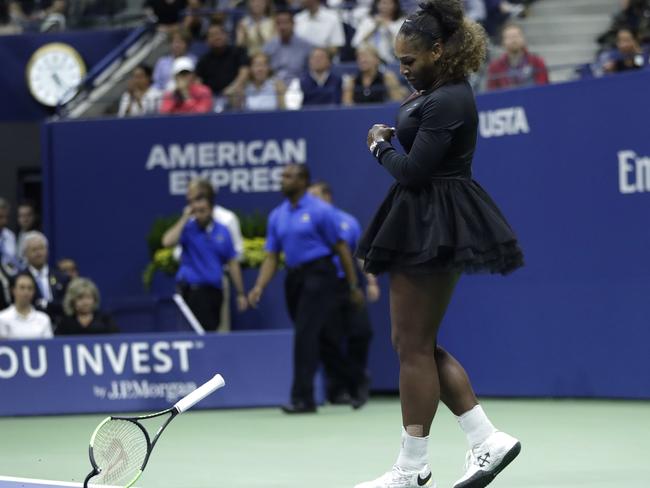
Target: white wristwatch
374 143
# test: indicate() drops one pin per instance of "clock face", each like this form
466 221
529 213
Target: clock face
54 72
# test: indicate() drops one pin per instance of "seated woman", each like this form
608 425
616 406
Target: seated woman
21 320
82 316
380 28
256 28
263 92
628 54
141 97
371 85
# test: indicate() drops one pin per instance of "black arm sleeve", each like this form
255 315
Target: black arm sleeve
439 119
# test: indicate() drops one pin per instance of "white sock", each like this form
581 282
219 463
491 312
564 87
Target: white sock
476 425
414 453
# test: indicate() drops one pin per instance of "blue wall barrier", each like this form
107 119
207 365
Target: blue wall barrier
15 52
568 164
142 372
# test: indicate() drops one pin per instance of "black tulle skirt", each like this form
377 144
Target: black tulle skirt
450 225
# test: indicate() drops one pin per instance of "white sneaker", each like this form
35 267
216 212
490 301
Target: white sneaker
485 462
398 478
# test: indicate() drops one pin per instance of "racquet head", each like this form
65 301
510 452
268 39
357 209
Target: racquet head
118 452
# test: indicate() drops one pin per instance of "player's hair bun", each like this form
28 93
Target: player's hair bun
448 13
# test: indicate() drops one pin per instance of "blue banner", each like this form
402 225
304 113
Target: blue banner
568 164
142 372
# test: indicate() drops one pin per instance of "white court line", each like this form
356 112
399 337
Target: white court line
46 483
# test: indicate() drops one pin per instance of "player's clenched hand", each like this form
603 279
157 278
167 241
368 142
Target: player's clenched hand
379 131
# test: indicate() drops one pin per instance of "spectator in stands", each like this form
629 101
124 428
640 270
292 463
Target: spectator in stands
5 286
635 16
287 51
54 20
516 67
22 16
380 28
320 86
163 77
8 255
370 84
68 267
499 11
21 320
195 22
82 315
50 285
28 221
189 96
141 97
628 54
263 91
207 250
166 12
320 25
256 28
224 68
475 10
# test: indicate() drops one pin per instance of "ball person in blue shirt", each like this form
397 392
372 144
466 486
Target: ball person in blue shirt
207 251
352 331
305 229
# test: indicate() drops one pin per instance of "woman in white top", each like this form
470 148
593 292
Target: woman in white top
257 27
141 97
21 320
263 92
380 28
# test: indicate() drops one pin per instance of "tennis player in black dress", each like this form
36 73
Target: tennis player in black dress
435 224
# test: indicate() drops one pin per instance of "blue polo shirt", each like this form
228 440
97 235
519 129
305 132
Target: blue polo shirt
305 232
205 251
350 232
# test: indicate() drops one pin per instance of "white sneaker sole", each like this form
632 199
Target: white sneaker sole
483 478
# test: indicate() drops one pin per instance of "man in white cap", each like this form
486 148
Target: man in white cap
188 95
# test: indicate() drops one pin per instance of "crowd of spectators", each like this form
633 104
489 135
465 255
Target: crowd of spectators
37 301
33 15
265 55
219 43
625 45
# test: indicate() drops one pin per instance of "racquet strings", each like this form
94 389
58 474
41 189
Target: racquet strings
119 449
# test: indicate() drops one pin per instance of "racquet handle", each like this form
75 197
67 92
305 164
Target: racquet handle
200 393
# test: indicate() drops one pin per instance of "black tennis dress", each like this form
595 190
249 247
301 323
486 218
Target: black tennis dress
436 218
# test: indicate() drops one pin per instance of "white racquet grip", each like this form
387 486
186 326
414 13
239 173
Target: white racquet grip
200 393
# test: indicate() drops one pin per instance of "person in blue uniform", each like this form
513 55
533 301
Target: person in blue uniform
351 332
305 229
435 224
207 249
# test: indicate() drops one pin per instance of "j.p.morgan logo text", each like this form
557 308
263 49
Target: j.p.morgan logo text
633 172
97 359
137 390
